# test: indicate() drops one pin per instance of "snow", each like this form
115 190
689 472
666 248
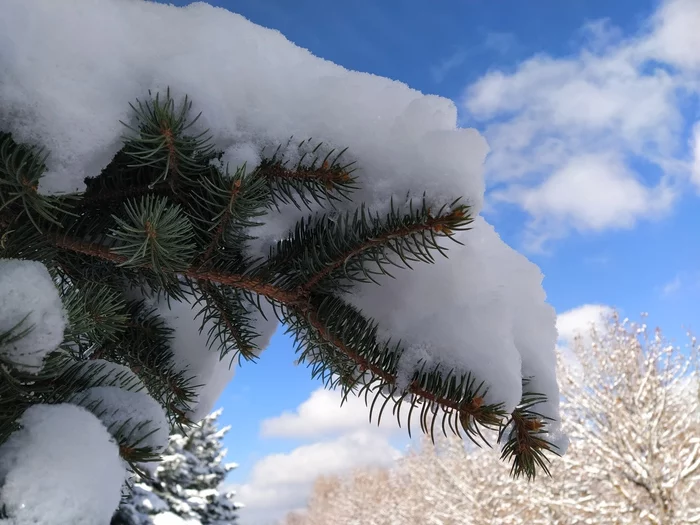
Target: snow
168 518
63 466
72 67
135 415
497 324
27 290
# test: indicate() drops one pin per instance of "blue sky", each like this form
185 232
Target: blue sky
626 158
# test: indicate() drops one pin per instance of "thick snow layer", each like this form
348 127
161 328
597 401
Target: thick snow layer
136 415
27 290
70 68
62 467
191 352
497 324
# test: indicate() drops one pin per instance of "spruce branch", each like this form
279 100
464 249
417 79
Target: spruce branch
163 216
96 314
159 139
323 178
232 329
331 253
224 208
154 233
523 438
130 437
21 167
437 390
144 346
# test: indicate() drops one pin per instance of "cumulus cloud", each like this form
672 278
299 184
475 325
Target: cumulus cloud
675 38
588 193
579 320
568 135
339 439
280 483
322 415
577 323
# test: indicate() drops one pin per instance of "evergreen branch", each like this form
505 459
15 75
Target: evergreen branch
321 179
144 347
344 328
100 194
159 141
229 318
178 224
98 372
128 435
524 443
334 251
21 167
15 333
96 313
154 233
224 207
244 282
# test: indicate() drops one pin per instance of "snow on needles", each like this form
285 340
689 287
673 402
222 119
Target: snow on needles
27 293
63 466
135 415
71 68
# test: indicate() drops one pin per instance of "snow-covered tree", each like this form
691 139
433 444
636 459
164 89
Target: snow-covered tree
176 242
187 482
632 411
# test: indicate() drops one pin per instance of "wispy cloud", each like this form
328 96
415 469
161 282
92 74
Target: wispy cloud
492 42
501 43
672 286
440 71
684 282
567 135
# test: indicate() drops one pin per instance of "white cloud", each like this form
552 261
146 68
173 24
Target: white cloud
493 42
567 133
320 415
282 482
578 321
683 282
675 38
588 193
341 438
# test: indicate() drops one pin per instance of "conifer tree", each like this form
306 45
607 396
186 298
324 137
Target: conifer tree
186 482
166 219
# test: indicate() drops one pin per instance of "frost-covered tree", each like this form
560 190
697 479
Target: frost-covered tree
632 412
169 226
186 482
